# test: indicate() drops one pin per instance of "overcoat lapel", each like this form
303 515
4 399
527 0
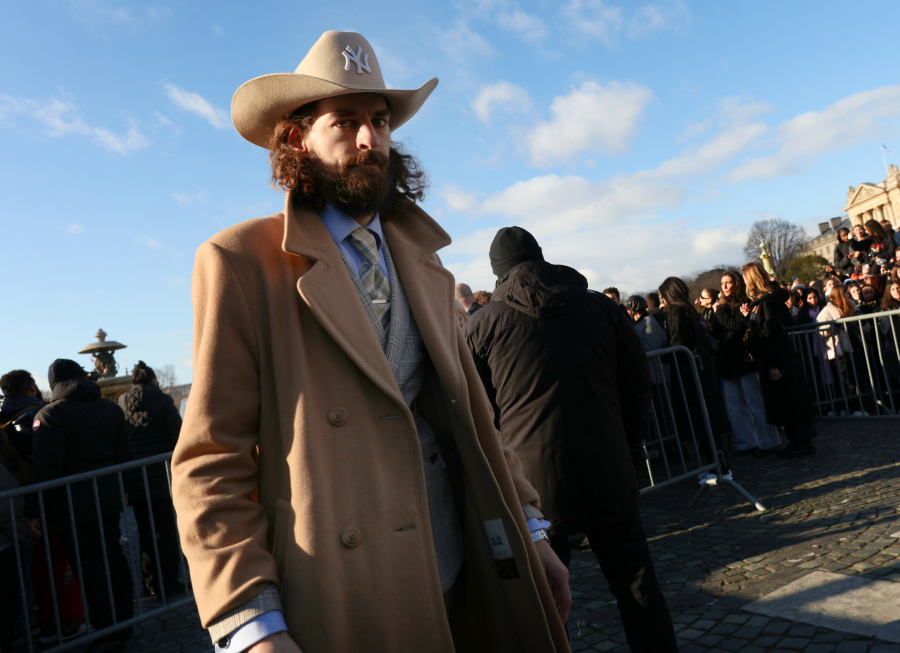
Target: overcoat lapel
330 294
413 237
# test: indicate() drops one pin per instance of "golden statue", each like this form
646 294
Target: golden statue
766 258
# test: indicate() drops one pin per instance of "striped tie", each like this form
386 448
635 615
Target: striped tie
371 276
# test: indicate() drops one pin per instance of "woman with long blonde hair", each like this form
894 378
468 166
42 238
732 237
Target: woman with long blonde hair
784 388
753 435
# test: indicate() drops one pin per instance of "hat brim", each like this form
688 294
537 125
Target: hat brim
259 104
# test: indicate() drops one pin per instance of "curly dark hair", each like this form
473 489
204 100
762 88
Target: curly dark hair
295 173
16 383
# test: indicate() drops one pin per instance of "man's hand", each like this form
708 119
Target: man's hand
277 643
557 576
36 526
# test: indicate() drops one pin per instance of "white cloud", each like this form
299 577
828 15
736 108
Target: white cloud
858 117
461 43
595 19
75 229
611 229
592 118
457 199
656 18
659 250
218 29
162 119
606 22
529 27
150 243
502 97
196 103
574 202
57 117
719 150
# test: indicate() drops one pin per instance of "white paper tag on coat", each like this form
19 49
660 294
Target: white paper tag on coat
497 537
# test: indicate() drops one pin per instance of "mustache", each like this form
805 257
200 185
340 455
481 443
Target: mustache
367 157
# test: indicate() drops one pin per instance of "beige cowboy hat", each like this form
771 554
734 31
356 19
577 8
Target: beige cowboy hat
339 63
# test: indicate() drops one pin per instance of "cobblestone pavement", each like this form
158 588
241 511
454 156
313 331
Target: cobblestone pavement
834 511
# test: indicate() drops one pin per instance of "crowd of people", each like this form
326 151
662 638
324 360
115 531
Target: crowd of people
79 431
754 381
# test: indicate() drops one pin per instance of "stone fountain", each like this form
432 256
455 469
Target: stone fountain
111 386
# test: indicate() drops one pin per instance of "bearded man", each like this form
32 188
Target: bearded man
339 482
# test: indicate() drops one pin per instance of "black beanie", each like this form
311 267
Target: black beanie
63 369
511 247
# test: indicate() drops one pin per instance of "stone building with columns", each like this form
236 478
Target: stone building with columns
865 202
875 201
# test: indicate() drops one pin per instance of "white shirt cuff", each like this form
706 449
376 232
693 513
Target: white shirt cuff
537 524
251 632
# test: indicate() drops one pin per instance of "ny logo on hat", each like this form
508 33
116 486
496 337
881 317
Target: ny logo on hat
354 58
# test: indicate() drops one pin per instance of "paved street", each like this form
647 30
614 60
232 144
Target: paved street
833 512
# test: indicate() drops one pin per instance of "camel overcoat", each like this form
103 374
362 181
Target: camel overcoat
299 462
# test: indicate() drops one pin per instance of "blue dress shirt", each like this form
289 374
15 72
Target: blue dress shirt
340 226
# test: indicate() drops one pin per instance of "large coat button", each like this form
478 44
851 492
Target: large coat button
337 416
350 537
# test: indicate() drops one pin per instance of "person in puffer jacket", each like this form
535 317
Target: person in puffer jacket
154 425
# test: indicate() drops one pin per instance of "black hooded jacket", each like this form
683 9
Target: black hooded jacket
153 426
842 260
77 432
570 385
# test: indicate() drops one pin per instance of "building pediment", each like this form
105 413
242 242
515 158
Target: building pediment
862 193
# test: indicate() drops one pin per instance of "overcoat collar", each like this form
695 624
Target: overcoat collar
328 290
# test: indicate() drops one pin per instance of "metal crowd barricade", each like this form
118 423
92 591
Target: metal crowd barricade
681 431
852 365
132 555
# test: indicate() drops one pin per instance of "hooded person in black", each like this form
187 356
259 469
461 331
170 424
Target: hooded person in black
78 432
570 385
154 425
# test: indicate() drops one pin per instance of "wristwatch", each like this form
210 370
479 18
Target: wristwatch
538 535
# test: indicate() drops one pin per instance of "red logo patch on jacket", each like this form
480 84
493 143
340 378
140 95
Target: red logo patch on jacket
36 425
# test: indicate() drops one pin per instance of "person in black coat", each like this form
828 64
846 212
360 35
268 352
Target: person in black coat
21 401
686 330
843 262
753 435
877 249
78 432
785 391
154 425
570 385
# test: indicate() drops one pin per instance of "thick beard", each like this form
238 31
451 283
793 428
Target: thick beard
356 193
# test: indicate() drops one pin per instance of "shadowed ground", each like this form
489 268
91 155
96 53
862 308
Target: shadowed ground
835 512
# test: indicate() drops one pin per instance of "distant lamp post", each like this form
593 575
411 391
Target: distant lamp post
102 351
766 258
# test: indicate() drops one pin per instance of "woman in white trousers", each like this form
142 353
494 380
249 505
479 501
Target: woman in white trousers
753 435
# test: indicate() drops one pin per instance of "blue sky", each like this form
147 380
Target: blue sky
634 140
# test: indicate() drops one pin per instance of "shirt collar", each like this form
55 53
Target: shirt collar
340 225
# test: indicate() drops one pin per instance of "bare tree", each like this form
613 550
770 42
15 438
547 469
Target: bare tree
165 375
782 238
